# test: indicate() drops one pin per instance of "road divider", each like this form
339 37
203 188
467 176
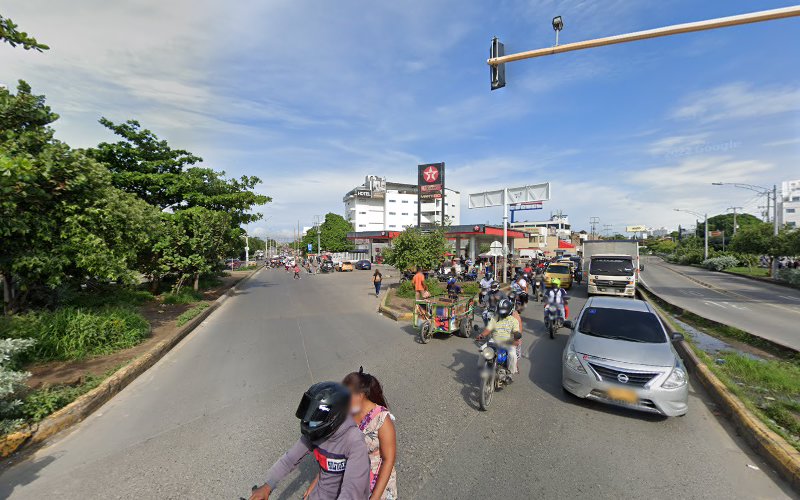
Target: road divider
85 405
778 452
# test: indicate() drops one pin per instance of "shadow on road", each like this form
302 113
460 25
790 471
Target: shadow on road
10 480
465 373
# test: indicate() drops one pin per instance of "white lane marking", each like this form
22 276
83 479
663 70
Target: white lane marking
695 293
789 297
305 351
712 303
737 306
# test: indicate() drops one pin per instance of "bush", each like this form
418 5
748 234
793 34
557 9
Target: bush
791 276
109 296
184 296
11 382
470 288
721 263
72 333
42 402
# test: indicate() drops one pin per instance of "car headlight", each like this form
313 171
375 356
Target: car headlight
573 361
676 379
488 353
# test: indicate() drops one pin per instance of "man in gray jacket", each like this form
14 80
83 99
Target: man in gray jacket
330 434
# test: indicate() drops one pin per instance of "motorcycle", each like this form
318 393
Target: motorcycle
469 276
552 319
495 373
578 276
538 288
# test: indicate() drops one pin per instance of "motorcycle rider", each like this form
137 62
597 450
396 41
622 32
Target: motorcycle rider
505 330
338 446
558 297
485 284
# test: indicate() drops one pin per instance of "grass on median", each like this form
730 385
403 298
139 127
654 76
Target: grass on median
191 313
746 271
768 388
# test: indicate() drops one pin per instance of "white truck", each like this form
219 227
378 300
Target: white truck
611 267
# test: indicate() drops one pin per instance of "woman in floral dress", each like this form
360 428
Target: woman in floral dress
371 413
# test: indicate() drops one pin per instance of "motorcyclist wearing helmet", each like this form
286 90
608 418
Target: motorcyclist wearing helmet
485 284
338 446
505 330
557 296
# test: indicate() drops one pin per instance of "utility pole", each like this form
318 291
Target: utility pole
594 221
606 229
734 217
318 227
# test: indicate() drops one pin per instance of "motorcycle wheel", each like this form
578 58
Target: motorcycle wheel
487 391
551 327
425 333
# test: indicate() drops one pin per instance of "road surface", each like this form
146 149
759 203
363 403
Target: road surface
762 309
209 419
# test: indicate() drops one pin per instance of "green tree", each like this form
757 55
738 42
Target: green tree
11 35
60 217
414 248
150 168
333 235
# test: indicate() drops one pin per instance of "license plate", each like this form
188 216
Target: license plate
622 395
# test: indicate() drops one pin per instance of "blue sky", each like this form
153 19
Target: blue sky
313 96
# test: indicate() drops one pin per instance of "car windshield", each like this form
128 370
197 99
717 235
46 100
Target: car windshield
612 267
622 324
558 269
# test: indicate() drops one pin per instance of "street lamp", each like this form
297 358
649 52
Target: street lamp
558 25
705 218
246 248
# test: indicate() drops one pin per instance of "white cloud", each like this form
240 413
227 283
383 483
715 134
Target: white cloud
737 101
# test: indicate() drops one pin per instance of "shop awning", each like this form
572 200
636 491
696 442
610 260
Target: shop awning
565 244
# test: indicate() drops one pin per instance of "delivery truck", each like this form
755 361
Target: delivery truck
611 267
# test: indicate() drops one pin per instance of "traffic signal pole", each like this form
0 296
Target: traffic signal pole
721 22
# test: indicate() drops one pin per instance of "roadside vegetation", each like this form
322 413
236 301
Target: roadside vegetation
189 315
92 237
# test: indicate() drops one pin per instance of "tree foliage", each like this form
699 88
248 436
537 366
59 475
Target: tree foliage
415 248
150 168
333 235
13 36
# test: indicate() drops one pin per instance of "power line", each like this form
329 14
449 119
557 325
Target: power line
594 221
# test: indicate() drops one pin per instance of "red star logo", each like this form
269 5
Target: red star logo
431 174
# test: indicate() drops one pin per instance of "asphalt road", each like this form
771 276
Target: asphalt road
209 419
765 310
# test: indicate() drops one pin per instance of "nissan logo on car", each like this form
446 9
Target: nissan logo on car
622 378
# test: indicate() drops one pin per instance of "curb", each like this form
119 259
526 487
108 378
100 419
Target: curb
391 312
767 443
86 404
770 281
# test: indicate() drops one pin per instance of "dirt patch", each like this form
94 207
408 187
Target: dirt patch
162 319
395 302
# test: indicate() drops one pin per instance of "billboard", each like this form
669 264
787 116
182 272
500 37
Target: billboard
430 186
635 229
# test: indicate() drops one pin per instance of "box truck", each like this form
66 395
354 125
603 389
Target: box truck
611 267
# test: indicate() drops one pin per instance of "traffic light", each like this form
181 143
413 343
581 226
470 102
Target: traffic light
498 72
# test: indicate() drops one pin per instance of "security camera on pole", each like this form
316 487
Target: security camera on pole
504 197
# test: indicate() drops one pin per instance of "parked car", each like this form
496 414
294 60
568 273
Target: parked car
620 352
346 266
363 265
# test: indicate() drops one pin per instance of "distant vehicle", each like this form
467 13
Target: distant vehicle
619 352
560 271
326 266
346 266
363 265
233 264
612 267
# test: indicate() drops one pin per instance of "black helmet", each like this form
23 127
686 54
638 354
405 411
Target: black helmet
324 407
504 308
512 296
495 286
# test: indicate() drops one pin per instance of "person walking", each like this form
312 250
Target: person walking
377 278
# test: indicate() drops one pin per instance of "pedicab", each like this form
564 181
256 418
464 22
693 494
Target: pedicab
444 314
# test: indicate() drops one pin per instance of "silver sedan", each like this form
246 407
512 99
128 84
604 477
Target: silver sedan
620 352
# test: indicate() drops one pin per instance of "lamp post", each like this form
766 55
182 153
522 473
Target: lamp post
246 248
765 191
705 218
558 25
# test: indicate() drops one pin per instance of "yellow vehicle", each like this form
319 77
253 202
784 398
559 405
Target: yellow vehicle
569 262
558 270
346 266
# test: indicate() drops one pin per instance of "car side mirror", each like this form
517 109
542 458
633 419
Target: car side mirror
677 337
569 324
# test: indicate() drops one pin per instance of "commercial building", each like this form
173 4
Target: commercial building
789 204
380 205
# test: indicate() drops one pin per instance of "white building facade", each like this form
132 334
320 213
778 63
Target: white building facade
378 205
789 208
